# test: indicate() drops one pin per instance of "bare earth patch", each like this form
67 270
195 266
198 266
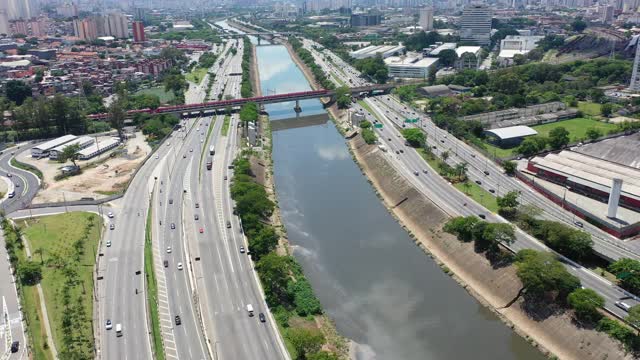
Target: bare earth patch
101 176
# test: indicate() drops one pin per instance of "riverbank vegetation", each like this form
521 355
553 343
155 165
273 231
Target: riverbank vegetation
305 55
246 88
287 291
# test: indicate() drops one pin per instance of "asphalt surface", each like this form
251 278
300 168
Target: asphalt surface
391 113
25 183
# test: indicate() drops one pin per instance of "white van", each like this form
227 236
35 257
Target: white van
118 330
623 305
250 309
12 194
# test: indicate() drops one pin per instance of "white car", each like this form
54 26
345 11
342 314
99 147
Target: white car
179 266
108 325
110 215
169 249
108 243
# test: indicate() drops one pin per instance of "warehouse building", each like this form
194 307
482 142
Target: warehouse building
509 136
99 147
383 50
83 142
43 149
589 176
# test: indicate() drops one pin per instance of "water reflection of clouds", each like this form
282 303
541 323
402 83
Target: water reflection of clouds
272 70
332 152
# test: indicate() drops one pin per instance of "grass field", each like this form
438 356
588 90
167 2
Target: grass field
589 108
152 292
68 241
225 125
196 75
577 127
164 96
499 152
480 195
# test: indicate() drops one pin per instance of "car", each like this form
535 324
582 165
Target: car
623 305
190 150
241 249
225 177
482 216
179 266
184 156
442 141
166 263
173 226
157 156
473 155
9 175
178 321
579 224
486 172
15 346
416 173
197 205
228 224
108 243
262 317
398 152
201 230
201 140
402 151
169 249
492 191
110 215
478 182
108 325
425 171
112 226
196 217
17 185
388 139
170 201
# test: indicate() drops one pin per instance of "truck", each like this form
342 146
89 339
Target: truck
209 164
212 150
250 309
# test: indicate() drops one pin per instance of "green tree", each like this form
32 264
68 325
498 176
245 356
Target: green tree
510 167
415 137
585 303
633 316
117 115
274 273
606 109
462 227
593 133
29 272
70 153
496 233
17 91
306 341
447 57
532 145
578 25
541 274
628 273
558 137
262 242
461 170
508 204
343 97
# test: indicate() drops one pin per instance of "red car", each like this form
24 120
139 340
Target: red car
201 230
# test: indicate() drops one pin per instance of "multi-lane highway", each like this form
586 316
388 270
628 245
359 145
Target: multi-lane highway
24 183
391 113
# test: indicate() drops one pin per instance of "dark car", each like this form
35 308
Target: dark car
492 191
170 201
478 182
178 321
196 217
486 172
166 263
482 216
228 224
197 205
15 346
262 317
173 226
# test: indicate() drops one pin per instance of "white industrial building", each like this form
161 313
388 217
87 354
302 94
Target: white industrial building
512 45
442 47
83 142
98 148
383 50
43 149
410 67
468 57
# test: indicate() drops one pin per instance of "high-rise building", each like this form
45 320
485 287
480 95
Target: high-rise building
4 22
358 20
37 28
22 9
117 25
85 29
20 27
68 9
475 24
606 14
426 19
140 14
138 31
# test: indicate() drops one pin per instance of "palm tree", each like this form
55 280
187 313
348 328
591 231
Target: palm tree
445 156
461 169
39 251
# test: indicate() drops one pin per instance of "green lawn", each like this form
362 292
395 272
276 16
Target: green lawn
498 152
196 75
577 127
152 292
589 108
68 241
164 96
480 195
225 125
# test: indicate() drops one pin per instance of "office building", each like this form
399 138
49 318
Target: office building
117 26
410 67
4 22
426 19
138 31
358 20
475 24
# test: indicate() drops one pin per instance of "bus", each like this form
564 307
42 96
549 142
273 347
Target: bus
212 150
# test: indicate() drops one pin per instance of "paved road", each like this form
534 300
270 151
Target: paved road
391 113
25 183
11 325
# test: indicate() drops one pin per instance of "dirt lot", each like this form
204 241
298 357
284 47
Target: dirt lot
101 176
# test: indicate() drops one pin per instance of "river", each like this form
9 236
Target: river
381 290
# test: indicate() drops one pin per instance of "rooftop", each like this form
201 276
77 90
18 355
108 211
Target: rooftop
475 50
623 150
512 132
